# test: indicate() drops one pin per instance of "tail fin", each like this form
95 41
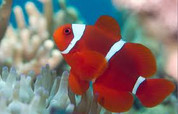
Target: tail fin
153 91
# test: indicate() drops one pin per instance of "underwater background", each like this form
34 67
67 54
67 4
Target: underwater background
89 11
33 74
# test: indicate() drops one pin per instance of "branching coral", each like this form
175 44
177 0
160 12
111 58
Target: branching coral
29 46
66 14
32 94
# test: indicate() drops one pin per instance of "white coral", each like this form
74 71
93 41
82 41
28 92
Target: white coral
28 47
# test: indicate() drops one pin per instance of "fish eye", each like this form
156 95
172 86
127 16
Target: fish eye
67 31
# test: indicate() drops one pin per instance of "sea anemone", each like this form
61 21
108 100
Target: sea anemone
44 93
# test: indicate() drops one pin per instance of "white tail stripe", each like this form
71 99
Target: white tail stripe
115 48
78 30
137 84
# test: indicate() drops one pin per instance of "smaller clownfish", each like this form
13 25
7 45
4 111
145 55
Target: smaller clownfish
117 69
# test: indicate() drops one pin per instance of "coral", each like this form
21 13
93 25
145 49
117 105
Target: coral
66 14
5 9
29 47
171 67
163 12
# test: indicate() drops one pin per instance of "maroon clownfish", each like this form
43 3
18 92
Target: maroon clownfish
117 69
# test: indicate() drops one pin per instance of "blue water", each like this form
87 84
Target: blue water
89 10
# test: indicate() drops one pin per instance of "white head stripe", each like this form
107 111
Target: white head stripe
115 48
78 30
137 84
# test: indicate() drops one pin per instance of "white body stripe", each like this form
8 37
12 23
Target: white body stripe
78 30
137 84
115 48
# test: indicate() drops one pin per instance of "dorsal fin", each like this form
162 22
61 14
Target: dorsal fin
109 25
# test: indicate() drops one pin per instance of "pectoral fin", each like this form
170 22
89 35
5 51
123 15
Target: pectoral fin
89 65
